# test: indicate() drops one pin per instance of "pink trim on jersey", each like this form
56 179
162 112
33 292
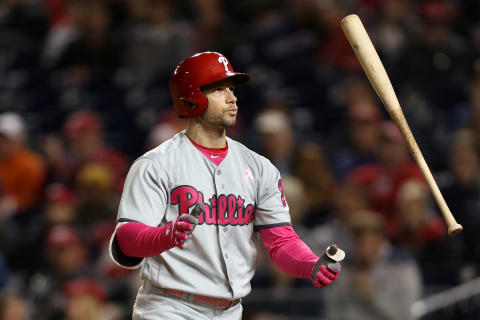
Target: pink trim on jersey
216 155
288 251
139 240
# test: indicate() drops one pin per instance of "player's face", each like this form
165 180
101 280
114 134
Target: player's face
222 104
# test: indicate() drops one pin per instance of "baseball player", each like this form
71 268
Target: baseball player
192 208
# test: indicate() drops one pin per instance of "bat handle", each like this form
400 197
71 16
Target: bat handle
331 258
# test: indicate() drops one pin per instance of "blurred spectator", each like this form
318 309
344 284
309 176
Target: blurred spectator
304 160
460 186
167 126
433 74
155 32
296 196
84 144
382 180
4 273
84 133
64 17
378 280
60 206
436 63
467 114
22 28
417 223
348 199
472 120
65 252
22 237
333 49
279 54
95 48
311 167
24 16
95 186
395 26
215 29
277 45
97 205
66 259
122 284
59 170
364 134
277 140
13 307
358 91
22 170
87 300
422 232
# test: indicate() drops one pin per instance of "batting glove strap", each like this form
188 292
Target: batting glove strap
170 234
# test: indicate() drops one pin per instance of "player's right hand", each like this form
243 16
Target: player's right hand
179 230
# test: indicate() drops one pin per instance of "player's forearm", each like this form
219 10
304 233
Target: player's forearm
139 240
288 251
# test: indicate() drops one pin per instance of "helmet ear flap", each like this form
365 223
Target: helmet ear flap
188 108
193 107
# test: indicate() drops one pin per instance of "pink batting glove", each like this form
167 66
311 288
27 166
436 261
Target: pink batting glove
178 232
327 269
324 275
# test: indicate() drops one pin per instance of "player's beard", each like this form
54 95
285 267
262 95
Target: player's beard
222 120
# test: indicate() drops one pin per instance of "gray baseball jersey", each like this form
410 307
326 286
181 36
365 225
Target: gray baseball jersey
242 193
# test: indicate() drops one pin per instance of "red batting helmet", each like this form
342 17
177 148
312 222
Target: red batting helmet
194 73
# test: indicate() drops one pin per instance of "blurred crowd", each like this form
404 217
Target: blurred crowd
84 91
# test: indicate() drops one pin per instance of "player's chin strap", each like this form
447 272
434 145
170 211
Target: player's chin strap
331 258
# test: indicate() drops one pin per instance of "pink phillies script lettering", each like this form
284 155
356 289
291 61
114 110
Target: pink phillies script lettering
222 209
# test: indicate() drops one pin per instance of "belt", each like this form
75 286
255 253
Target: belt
199 299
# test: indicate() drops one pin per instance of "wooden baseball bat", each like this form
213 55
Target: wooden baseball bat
373 67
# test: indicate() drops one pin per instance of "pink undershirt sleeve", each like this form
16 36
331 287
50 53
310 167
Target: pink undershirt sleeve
285 247
139 240
288 251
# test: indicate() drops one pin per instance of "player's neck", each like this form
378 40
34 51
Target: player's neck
207 137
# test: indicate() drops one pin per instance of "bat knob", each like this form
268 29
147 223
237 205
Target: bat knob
197 210
455 229
335 253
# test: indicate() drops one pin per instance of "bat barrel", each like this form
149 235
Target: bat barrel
455 229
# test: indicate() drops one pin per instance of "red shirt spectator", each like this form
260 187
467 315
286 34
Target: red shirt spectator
383 180
84 134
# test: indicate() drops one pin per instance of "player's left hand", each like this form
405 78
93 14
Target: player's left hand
325 274
327 269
